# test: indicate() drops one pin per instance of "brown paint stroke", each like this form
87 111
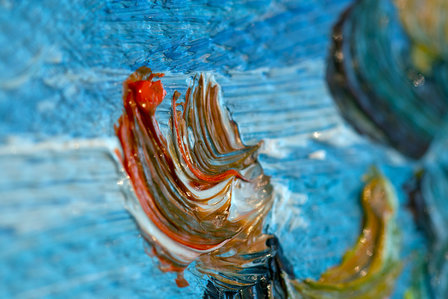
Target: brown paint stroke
201 194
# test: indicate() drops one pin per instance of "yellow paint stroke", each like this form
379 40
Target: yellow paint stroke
370 268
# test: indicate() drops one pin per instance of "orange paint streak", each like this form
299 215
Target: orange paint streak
118 154
180 280
167 266
148 95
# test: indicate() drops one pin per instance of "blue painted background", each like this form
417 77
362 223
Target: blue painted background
64 231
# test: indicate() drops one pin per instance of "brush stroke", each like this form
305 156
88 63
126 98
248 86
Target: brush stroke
370 268
201 193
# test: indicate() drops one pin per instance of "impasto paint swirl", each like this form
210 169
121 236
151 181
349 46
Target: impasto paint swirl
370 268
201 193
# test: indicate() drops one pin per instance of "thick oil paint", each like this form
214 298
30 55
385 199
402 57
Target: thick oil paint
202 193
370 268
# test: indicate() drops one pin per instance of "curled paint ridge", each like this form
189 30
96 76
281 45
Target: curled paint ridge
370 268
201 194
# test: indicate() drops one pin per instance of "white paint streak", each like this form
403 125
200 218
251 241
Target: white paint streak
318 155
25 146
340 136
286 212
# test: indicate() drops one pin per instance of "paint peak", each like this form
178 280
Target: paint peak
148 94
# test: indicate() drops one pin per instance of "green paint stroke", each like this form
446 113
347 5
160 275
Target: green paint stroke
370 268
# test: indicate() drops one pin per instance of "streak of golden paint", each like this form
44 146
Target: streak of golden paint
370 268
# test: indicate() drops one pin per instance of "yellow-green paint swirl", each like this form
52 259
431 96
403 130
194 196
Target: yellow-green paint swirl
370 268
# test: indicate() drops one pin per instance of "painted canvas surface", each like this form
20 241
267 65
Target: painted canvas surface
204 149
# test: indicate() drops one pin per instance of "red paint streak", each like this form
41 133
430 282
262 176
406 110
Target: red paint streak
147 94
141 100
162 173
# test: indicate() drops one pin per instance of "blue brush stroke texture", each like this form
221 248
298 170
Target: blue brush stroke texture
66 55
64 231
